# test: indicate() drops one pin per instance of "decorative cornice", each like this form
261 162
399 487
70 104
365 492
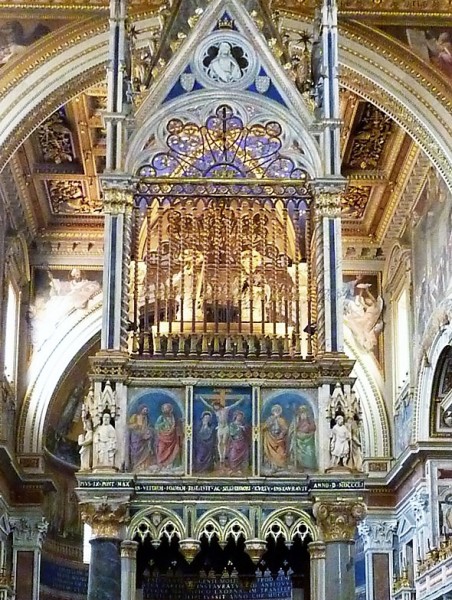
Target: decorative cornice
310 373
338 519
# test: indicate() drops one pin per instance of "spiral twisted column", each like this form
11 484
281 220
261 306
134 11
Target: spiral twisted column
118 203
327 248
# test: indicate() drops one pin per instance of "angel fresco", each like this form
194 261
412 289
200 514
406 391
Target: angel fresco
362 312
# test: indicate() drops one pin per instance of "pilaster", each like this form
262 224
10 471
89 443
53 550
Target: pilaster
28 536
377 533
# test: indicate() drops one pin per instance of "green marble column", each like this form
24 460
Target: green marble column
337 520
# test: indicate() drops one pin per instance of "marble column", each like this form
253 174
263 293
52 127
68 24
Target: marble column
377 534
317 553
337 521
128 569
28 536
107 520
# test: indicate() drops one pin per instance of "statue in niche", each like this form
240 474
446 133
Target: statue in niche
191 276
340 443
224 67
105 443
85 441
345 438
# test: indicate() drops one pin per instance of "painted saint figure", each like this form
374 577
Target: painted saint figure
168 435
222 416
141 439
302 440
205 443
105 443
239 447
274 438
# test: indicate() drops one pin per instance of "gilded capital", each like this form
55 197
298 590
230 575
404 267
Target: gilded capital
117 200
106 519
338 519
328 204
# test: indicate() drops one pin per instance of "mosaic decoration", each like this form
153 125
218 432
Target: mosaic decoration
288 434
155 420
222 431
223 147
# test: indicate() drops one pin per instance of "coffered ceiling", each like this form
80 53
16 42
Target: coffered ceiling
57 168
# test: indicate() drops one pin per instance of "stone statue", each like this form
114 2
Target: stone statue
224 67
355 460
340 443
105 444
85 441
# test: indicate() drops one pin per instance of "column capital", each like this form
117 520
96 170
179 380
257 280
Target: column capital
106 518
377 533
317 550
338 519
327 203
129 549
117 199
28 531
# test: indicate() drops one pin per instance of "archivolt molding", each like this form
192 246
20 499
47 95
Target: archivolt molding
45 373
369 387
430 358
